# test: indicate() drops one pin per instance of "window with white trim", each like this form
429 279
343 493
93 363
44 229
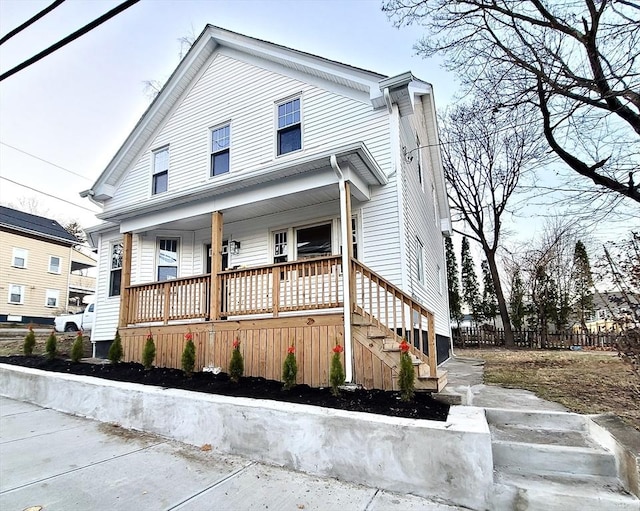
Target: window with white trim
54 264
314 241
160 180
354 236
115 272
20 256
52 298
280 247
16 294
220 146
289 137
167 261
439 271
420 260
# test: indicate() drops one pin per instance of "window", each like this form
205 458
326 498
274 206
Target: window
167 259
280 249
419 151
20 256
313 241
54 264
420 260
52 297
439 270
160 171
220 142
289 127
354 236
16 294
116 269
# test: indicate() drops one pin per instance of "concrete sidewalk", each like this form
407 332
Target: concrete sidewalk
66 463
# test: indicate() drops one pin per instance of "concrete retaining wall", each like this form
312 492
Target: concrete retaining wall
449 460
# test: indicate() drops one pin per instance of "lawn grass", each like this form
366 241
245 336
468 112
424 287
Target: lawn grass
584 381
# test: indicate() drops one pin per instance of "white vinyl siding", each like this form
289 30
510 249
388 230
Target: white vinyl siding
108 307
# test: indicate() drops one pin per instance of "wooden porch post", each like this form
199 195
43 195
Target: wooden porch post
216 265
125 280
349 246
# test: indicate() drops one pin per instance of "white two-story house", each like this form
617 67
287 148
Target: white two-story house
277 198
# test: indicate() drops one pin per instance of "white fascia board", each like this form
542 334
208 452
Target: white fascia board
359 188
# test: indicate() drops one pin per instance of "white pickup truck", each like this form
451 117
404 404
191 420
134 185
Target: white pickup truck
83 321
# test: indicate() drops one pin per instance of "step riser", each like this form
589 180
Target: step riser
536 459
538 420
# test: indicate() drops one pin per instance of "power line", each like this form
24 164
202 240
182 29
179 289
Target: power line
72 37
48 194
30 21
45 161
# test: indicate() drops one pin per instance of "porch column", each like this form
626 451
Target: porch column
215 305
125 280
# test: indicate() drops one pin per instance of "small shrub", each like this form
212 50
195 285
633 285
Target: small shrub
336 375
115 350
29 342
189 355
149 352
290 369
51 348
77 350
236 366
406 377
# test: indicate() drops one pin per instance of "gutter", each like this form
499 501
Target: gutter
88 194
345 224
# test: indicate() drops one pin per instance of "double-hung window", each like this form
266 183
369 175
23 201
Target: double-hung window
160 171
54 264
289 127
20 256
52 298
420 260
115 276
167 259
220 145
16 294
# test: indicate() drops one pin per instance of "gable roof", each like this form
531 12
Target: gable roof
35 225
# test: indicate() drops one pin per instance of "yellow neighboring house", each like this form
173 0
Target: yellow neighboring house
42 274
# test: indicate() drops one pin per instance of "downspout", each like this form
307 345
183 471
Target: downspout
345 224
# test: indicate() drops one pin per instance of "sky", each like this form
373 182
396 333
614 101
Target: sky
75 107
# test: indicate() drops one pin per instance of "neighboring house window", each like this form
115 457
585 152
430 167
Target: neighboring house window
20 256
167 259
419 151
160 171
115 276
52 298
280 248
16 294
54 264
420 260
220 142
289 127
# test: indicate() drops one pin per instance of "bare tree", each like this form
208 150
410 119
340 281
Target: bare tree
575 65
151 88
485 154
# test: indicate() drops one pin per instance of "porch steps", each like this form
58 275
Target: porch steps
549 461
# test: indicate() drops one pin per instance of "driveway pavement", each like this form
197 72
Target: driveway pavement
53 461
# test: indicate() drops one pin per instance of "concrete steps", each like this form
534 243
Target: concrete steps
549 461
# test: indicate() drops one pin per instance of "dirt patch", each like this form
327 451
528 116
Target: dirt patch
586 382
11 343
423 406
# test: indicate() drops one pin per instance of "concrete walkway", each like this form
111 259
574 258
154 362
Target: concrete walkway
60 462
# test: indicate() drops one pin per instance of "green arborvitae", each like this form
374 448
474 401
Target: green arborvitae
189 357
517 309
115 350
29 342
149 353
51 348
407 374
236 366
336 373
583 283
453 283
470 292
77 350
289 369
489 298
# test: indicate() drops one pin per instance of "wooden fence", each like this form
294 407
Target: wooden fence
482 337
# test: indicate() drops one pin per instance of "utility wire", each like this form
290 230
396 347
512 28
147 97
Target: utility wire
45 161
72 37
48 195
30 21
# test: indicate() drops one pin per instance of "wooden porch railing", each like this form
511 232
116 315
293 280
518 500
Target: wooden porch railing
388 306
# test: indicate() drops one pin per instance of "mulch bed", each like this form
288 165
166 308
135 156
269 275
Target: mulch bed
423 406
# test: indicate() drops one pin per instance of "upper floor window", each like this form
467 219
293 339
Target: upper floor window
115 273
220 144
289 127
16 294
420 260
52 298
54 264
20 256
167 259
160 171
